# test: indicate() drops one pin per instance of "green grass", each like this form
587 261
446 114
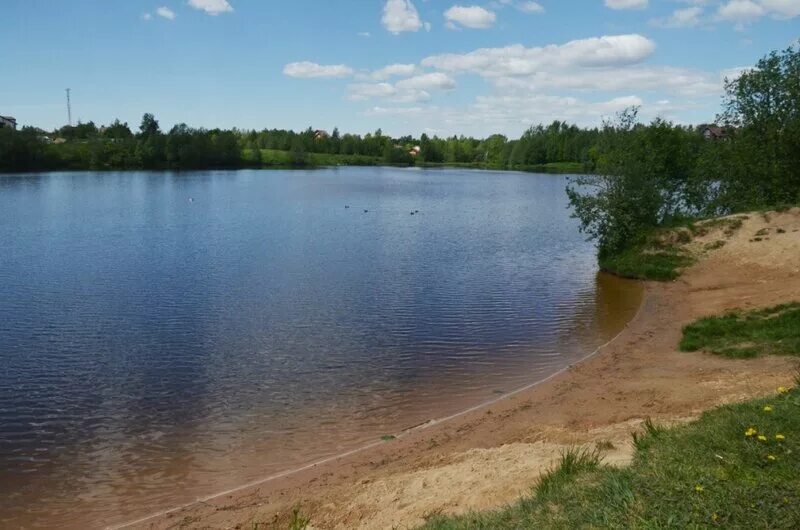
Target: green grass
706 474
283 159
644 262
277 158
747 334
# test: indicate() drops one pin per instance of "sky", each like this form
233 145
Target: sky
407 66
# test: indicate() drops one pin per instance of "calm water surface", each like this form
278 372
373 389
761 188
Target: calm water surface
164 336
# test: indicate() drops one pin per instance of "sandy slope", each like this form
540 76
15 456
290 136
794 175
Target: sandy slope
491 456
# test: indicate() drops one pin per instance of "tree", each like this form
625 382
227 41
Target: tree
149 126
643 178
757 162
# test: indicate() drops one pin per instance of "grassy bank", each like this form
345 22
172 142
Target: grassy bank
286 159
664 252
775 330
734 467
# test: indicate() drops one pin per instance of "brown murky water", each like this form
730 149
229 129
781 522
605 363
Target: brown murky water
155 350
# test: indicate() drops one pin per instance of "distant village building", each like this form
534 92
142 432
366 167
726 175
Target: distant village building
712 132
8 122
319 134
415 150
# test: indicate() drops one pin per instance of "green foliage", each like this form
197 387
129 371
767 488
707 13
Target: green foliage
643 262
647 176
758 163
747 334
643 173
705 474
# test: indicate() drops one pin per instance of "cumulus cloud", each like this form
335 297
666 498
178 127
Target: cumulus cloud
430 81
519 60
740 11
410 90
626 4
530 7
474 17
782 8
400 16
681 18
309 70
393 70
212 7
165 12
682 81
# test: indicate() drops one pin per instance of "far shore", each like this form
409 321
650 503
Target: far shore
330 162
490 456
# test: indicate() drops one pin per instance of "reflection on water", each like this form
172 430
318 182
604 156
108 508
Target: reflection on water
155 348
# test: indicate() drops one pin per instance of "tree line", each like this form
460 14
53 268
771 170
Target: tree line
660 174
116 146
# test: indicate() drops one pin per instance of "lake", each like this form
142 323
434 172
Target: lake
165 336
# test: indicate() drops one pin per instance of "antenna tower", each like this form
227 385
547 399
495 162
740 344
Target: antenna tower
69 109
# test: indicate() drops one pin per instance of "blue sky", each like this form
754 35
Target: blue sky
407 66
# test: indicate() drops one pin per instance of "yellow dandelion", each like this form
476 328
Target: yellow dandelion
750 432
762 438
783 390
767 409
780 437
714 517
771 458
698 488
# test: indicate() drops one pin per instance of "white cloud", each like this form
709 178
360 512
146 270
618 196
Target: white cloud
517 60
782 8
400 16
394 111
392 70
212 7
365 34
165 12
411 90
674 80
309 70
681 18
430 81
626 4
474 17
530 7
740 11
147 16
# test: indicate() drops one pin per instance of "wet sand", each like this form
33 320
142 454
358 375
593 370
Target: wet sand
489 456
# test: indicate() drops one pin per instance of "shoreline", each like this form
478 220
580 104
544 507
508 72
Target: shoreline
536 169
395 436
489 455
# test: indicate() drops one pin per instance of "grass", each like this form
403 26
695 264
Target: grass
706 474
644 262
775 330
661 254
276 158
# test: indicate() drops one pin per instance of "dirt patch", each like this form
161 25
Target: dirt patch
491 456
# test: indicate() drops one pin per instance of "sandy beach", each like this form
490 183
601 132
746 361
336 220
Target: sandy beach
492 455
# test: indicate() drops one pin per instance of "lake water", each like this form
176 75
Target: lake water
165 336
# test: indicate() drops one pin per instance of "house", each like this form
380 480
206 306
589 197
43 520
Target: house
8 121
319 134
414 151
712 132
